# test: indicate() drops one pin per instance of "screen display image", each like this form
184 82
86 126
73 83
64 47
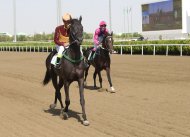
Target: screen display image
165 15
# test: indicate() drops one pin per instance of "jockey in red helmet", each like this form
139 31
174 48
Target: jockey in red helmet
98 36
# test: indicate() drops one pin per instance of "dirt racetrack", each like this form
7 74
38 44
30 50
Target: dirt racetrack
152 99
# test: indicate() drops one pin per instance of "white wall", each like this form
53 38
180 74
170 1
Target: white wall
186 16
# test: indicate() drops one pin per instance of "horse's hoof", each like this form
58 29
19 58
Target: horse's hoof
86 123
95 87
111 90
52 106
64 115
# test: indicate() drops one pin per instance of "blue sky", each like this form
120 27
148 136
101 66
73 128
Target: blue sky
165 6
34 16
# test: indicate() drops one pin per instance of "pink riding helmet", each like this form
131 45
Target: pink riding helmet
102 23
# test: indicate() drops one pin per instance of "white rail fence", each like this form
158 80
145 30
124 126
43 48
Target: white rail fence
154 48
50 48
27 48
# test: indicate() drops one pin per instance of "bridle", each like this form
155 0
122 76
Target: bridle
74 38
106 44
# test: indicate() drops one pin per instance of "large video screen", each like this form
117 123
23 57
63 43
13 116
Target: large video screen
165 15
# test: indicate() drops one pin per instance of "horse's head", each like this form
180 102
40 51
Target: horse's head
108 42
76 31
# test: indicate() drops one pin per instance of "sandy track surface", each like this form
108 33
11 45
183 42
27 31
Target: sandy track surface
152 99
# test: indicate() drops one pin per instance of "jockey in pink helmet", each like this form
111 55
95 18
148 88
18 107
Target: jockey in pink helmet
99 35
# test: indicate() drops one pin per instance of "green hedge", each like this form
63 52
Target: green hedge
27 44
147 50
91 43
153 42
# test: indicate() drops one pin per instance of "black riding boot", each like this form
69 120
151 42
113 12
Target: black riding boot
58 62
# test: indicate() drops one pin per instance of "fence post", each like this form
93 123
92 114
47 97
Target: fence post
154 51
121 50
131 50
167 50
181 50
142 50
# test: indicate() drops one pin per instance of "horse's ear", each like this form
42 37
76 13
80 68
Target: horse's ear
71 19
80 18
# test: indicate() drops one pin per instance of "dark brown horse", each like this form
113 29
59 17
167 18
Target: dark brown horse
71 69
101 61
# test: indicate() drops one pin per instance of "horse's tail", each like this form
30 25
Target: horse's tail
47 78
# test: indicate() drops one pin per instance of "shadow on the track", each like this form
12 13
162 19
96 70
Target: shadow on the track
91 87
71 113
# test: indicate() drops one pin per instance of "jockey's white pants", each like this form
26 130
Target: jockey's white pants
60 50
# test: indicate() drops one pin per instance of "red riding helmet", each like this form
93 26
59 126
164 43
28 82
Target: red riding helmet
102 23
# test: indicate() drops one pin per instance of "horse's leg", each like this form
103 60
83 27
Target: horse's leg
54 81
94 76
67 99
64 111
100 78
82 101
57 91
86 74
112 90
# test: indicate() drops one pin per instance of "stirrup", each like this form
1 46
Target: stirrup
57 66
86 65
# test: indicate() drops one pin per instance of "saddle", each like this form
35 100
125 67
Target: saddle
66 55
93 54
